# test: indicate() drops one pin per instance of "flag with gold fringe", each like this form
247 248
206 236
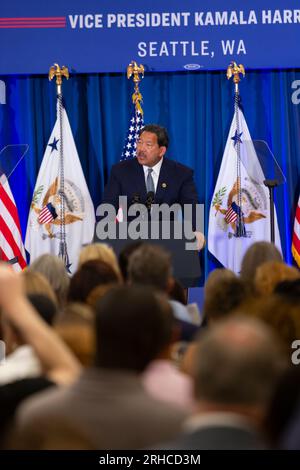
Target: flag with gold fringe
296 235
46 217
239 212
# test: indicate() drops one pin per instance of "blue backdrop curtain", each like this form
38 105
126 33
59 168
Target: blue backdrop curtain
197 109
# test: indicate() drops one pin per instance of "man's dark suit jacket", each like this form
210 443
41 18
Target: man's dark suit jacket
217 438
175 184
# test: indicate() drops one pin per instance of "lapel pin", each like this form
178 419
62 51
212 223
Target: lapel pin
164 185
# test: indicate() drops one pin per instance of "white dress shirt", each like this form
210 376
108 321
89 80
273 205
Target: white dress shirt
155 173
20 364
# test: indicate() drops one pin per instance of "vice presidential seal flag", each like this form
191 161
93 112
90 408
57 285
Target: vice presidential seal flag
239 196
45 217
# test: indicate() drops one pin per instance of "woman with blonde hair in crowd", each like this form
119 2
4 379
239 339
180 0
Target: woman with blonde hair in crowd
36 283
257 254
271 273
224 291
89 275
100 252
75 327
54 270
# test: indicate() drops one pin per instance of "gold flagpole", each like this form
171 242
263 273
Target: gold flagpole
234 70
59 73
134 70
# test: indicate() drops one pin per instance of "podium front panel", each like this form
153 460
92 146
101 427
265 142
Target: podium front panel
185 261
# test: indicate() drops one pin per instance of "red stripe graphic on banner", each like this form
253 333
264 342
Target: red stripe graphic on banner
21 23
33 26
37 18
42 22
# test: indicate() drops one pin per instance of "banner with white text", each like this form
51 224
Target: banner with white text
170 35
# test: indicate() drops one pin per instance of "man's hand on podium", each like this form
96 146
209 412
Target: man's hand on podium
200 240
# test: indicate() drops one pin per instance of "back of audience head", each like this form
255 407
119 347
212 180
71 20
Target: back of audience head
132 326
46 309
281 313
271 273
257 254
100 252
54 270
283 406
75 326
223 292
289 290
177 292
124 256
90 274
238 361
36 283
151 265
97 293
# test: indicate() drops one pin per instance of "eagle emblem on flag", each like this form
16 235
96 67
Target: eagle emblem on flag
49 213
253 205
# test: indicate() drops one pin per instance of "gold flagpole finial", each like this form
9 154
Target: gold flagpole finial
134 70
235 70
58 72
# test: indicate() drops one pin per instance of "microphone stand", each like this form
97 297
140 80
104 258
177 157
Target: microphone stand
136 201
271 184
149 200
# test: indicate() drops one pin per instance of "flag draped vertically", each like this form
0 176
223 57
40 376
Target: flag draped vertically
11 244
136 122
239 196
46 215
296 235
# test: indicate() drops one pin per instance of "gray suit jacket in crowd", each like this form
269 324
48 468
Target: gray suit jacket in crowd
103 410
213 430
217 438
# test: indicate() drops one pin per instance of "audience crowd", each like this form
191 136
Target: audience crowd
114 357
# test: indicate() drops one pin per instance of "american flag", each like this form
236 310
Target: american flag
231 213
11 244
47 214
296 235
136 123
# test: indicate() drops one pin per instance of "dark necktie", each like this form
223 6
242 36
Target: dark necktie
150 182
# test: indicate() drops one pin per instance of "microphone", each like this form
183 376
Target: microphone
149 199
135 198
136 204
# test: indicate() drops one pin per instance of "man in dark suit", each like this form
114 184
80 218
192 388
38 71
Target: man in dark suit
150 178
236 365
